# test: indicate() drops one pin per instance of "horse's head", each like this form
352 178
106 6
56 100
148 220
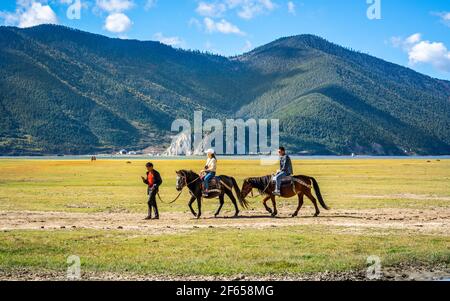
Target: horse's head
181 180
247 187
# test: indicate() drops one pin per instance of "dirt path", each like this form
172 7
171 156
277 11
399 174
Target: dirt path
427 221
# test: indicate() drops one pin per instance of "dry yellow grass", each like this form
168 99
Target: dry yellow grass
105 185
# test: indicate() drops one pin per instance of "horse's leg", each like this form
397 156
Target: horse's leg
314 201
199 204
233 199
265 205
221 200
274 203
300 204
191 201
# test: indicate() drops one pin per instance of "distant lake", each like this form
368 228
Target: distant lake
250 157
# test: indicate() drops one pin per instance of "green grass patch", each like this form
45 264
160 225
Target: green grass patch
292 250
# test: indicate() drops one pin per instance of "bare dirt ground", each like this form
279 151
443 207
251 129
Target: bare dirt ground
350 221
418 272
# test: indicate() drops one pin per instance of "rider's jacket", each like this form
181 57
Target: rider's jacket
286 165
157 180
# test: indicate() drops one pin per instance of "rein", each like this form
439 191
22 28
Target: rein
178 196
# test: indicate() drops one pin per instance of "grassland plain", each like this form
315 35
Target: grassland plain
398 210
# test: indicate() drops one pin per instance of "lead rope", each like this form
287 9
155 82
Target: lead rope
178 196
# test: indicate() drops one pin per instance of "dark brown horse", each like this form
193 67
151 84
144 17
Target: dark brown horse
191 180
299 185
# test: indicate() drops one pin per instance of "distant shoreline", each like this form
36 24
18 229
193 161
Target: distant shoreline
223 157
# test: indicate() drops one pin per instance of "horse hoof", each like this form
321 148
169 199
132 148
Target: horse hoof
274 214
294 215
316 215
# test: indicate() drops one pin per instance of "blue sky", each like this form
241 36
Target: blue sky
413 33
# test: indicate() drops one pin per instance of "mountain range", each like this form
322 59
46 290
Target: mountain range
67 91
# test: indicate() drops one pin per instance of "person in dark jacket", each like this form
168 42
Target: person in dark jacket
153 180
285 169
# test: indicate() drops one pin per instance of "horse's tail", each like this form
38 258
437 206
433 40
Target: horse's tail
319 195
242 201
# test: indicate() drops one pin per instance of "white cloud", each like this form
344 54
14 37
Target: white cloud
9 19
433 53
29 13
444 16
37 14
171 41
114 6
211 9
424 52
117 23
150 4
248 46
412 39
222 26
292 8
195 22
246 9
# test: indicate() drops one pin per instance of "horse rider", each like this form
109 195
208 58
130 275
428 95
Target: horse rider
210 170
153 180
286 170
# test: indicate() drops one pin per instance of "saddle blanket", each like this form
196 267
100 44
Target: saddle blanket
290 180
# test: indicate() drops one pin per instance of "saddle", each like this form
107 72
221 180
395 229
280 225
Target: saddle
285 181
214 185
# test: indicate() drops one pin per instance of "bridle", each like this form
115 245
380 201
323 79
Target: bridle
186 184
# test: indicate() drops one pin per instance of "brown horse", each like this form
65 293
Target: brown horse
298 185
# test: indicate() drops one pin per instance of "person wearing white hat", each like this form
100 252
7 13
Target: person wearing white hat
210 169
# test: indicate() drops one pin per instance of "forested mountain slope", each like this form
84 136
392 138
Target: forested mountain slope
67 91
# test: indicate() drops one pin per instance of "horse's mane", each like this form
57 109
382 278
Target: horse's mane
260 183
188 173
